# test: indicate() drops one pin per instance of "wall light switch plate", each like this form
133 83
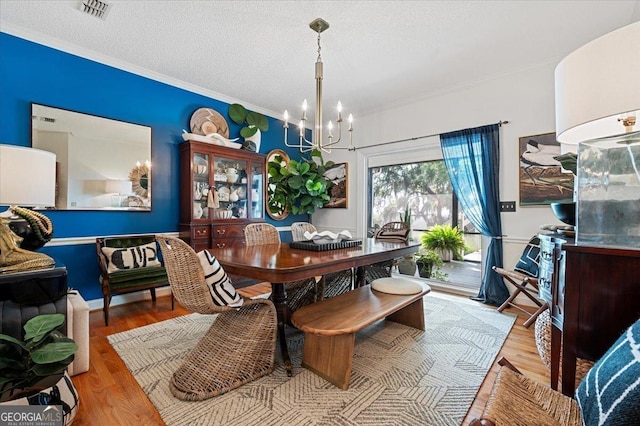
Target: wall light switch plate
507 206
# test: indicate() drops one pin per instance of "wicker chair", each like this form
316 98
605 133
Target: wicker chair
240 345
383 269
299 293
517 400
331 284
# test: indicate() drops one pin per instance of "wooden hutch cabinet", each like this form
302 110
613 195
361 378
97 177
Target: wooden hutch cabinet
236 177
594 295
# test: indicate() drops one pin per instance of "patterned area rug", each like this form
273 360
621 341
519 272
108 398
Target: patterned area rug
401 376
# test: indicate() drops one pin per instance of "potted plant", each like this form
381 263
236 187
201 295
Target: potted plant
427 261
255 123
446 240
299 186
407 265
36 363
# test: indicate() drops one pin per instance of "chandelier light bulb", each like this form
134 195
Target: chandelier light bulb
330 127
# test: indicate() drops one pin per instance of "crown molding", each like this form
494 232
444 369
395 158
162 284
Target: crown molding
91 55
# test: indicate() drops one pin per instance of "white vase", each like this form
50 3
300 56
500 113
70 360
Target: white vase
255 139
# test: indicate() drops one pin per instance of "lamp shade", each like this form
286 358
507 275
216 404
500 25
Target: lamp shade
27 177
596 83
115 186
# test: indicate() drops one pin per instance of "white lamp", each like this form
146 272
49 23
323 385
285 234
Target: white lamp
27 179
596 84
597 91
120 188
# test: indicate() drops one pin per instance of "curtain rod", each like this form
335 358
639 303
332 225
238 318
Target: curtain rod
499 123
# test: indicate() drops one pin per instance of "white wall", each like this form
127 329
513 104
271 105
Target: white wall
524 98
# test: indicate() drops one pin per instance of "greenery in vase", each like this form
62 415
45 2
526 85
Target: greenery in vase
39 361
299 187
254 120
444 237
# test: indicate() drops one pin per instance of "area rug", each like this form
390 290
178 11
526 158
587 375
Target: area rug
401 376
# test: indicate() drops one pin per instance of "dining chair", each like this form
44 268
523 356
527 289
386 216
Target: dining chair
240 344
391 231
331 284
607 394
299 293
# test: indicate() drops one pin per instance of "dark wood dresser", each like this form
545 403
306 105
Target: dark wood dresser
594 295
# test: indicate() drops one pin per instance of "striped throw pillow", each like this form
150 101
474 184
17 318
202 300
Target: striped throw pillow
222 291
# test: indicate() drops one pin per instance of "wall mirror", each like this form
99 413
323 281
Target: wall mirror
101 164
276 209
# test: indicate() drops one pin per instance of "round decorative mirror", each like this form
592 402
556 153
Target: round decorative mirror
276 207
139 177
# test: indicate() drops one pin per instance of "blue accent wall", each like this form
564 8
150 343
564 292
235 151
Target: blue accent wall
31 72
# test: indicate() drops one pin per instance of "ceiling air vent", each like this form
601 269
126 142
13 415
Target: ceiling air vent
97 8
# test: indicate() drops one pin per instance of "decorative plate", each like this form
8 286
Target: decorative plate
205 121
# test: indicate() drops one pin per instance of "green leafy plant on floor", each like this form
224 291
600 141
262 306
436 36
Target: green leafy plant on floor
445 239
38 362
428 262
300 186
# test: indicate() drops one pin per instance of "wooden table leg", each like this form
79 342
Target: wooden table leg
280 301
556 343
360 278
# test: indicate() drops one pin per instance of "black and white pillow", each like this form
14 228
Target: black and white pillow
610 392
121 258
222 291
529 262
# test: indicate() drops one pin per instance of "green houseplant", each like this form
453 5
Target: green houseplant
254 120
38 362
427 261
448 241
299 186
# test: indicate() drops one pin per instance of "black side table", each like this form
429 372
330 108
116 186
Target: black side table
26 294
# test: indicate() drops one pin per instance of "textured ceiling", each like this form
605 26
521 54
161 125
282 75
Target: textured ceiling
376 53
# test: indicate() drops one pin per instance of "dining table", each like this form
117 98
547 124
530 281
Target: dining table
280 263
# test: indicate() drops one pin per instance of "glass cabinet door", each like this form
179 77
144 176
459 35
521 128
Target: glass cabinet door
200 186
231 184
257 190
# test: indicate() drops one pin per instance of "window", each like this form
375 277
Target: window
425 189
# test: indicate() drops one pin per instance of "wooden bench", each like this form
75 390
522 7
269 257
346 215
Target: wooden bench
330 326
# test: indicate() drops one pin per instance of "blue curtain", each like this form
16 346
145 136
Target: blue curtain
472 158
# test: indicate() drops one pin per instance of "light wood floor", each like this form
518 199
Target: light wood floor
109 395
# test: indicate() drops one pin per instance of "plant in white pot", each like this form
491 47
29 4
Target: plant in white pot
448 241
255 123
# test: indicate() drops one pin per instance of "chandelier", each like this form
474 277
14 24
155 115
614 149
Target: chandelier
317 142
